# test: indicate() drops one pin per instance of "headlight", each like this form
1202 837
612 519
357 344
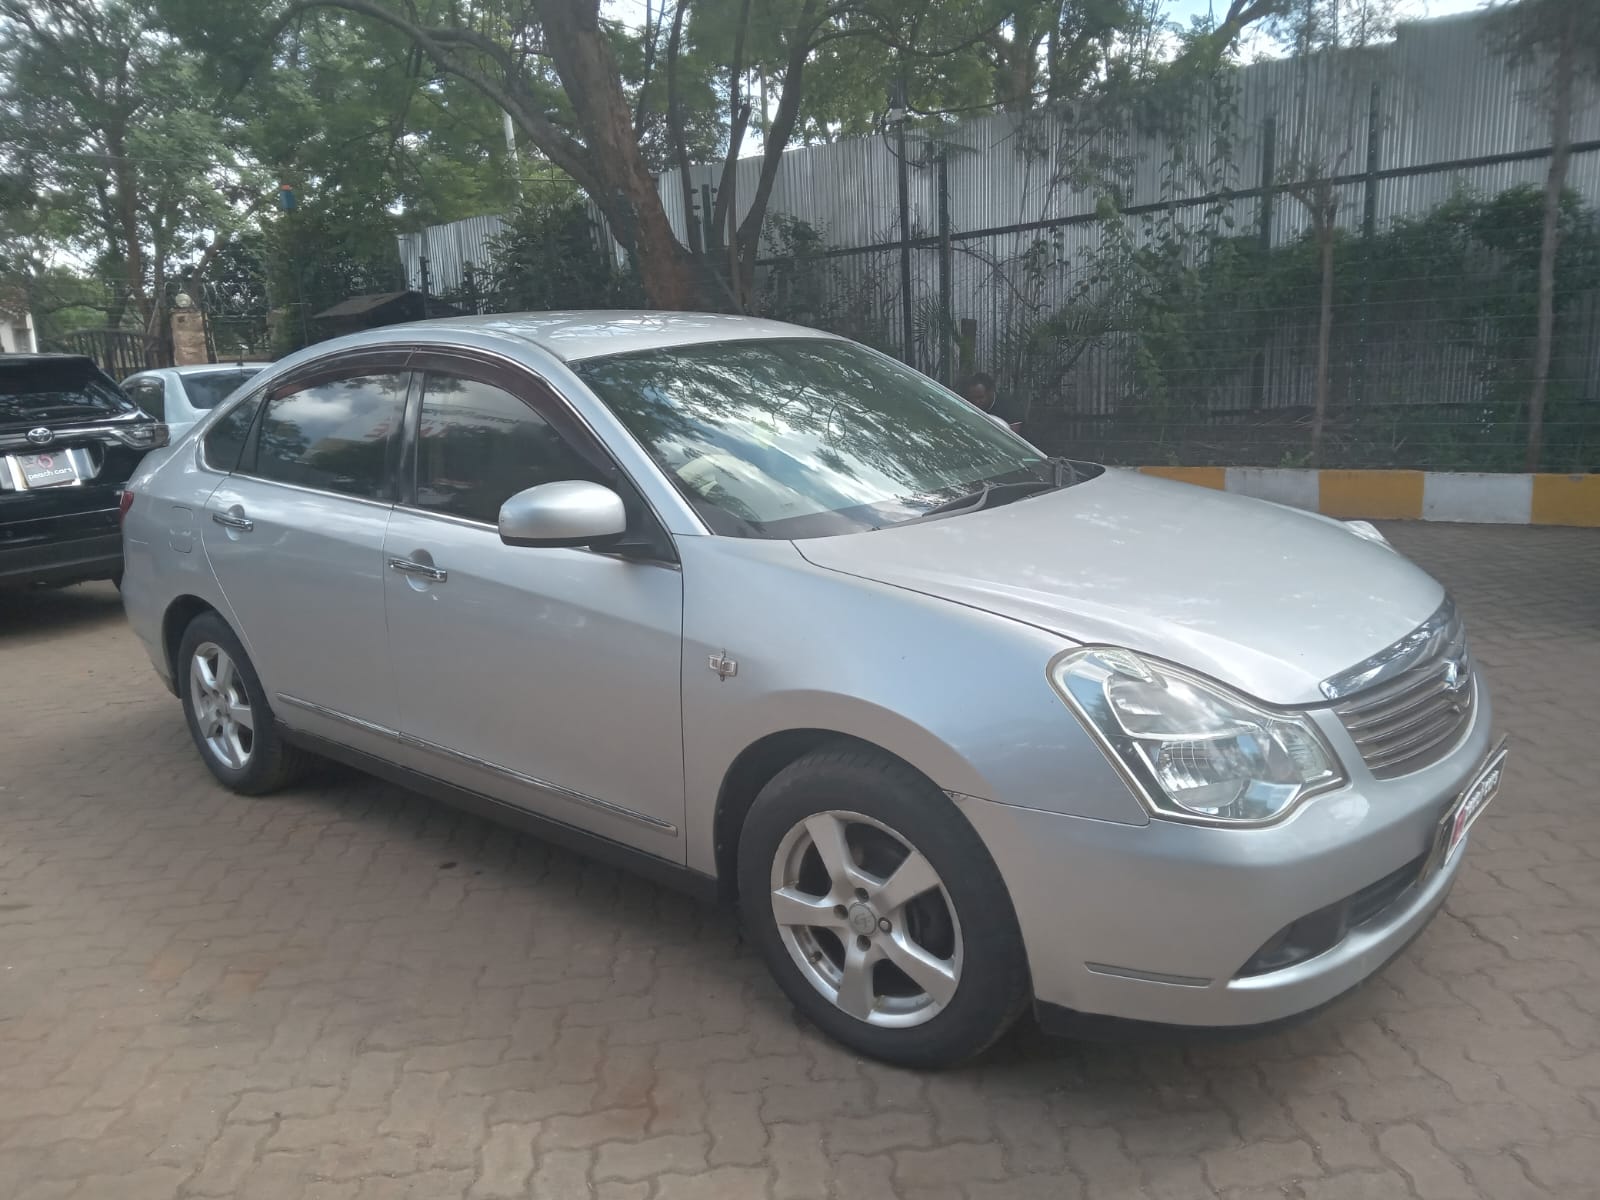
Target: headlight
1196 751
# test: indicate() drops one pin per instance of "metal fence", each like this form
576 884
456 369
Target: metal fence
1144 278
1180 322
119 352
1172 334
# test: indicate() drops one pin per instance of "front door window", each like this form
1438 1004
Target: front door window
478 445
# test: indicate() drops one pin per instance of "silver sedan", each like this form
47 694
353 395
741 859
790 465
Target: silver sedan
960 727
181 396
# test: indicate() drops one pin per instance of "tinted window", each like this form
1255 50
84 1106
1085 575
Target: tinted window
225 440
150 395
478 445
208 390
46 389
806 438
333 436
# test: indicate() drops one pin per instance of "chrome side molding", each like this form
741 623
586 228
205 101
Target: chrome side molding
541 785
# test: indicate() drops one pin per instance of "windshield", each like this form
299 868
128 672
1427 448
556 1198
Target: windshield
804 438
205 391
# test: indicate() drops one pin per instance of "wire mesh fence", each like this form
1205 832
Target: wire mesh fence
1419 334
1315 261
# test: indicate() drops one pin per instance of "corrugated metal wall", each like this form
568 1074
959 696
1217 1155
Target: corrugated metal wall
447 250
1444 95
1447 112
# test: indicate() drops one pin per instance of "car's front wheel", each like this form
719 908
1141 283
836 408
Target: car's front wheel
878 910
228 714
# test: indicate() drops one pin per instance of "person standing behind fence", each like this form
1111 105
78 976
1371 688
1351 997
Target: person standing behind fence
979 392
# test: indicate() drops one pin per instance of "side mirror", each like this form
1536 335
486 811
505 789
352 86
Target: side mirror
573 512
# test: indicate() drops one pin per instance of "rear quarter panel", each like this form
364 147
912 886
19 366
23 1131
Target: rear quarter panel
162 555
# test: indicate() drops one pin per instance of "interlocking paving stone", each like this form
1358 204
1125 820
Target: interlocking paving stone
291 997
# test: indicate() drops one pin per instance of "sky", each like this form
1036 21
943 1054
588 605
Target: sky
632 11
1409 10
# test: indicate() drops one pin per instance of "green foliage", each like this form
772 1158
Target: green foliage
115 146
856 296
550 257
1435 318
311 259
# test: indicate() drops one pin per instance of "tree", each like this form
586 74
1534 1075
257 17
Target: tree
109 135
556 69
1562 36
1336 73
550 65
353 116
550 256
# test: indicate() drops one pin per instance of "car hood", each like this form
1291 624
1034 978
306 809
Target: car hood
1266 598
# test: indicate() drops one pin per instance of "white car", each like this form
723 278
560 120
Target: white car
180 396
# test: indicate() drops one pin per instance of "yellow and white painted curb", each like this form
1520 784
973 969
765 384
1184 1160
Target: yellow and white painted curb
1411 495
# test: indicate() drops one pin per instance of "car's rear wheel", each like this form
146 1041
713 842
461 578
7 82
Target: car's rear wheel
228 714
878 910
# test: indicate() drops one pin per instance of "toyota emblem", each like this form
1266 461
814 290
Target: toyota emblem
41 436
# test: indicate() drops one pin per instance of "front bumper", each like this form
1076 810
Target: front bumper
1158 922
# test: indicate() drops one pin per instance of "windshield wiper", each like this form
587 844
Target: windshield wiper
1065 473
973 501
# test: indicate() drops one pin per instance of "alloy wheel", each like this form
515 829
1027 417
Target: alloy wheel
866 919
221 706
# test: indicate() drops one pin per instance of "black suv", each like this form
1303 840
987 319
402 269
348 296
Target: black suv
69 440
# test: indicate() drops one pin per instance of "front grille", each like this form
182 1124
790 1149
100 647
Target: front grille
1412 721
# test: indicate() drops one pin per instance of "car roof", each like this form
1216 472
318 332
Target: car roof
31 368
30 361
203 368
580 334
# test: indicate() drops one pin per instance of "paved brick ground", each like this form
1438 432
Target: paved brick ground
349 992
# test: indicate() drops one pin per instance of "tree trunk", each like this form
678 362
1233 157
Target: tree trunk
724 215
628 195
1561 84
680 149
1324 232
776 139
125 198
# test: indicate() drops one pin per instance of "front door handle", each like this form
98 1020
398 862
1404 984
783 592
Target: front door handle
407 566
244 524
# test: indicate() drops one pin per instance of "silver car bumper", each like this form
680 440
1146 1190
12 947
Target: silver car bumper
1168 923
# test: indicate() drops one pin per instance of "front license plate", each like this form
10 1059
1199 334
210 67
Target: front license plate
1475 797
50 469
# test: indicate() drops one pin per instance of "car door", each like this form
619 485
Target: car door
544 677
294 537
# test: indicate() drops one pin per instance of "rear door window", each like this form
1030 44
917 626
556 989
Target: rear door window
335 436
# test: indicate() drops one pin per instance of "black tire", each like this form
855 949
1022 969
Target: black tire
271 762
992 986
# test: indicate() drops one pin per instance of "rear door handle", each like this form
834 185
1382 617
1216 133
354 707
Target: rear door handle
407 566
233 522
